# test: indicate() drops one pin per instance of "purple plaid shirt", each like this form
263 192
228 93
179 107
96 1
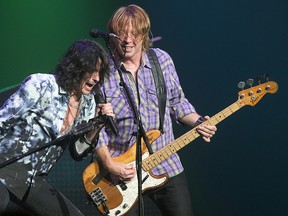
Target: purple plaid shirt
144 95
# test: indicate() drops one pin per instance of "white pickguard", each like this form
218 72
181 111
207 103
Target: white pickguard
130 195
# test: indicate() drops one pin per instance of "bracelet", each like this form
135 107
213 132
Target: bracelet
86 139
199 121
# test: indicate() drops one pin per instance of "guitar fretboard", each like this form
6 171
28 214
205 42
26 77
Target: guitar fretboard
186 138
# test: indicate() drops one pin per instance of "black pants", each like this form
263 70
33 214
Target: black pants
173 198
44 200
4 198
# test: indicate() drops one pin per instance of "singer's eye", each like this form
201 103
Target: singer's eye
121 33
133 34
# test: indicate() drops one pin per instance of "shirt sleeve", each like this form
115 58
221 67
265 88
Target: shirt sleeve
178 103
80 149
103 138
18 103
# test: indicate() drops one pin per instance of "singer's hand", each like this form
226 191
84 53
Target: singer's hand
106 109
102 109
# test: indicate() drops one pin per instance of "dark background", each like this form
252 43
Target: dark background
214 44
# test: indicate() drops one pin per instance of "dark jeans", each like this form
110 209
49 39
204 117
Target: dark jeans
44 200
173 198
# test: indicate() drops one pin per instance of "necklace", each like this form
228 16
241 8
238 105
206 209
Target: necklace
73 98
73 115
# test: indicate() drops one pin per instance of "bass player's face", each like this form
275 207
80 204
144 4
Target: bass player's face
131 45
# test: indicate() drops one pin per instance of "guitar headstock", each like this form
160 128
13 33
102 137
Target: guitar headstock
253 95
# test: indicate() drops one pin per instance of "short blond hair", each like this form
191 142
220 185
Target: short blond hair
138 18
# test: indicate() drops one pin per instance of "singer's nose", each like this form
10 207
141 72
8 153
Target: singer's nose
96 77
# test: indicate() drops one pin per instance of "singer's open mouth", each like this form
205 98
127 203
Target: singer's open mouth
90 85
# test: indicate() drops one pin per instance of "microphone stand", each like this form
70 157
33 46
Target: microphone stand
140 131
77 131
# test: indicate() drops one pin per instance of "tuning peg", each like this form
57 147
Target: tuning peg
250 82
258 80
266 76
241 85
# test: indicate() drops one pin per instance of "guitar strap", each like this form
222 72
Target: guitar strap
159 85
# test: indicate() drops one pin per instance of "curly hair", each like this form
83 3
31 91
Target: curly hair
80 60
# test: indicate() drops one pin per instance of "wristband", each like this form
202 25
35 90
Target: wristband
199 121
86 140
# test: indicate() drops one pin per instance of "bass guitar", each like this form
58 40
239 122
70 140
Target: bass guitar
115 197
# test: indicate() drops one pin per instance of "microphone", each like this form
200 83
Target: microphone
97 33
99 98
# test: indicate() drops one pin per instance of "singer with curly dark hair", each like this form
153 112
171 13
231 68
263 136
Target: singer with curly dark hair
44 108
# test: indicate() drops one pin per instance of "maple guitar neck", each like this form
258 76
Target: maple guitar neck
249 96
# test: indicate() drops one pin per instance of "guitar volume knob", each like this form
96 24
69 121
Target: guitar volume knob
125 206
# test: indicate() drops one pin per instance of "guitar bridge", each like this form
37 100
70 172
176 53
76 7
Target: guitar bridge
98 197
